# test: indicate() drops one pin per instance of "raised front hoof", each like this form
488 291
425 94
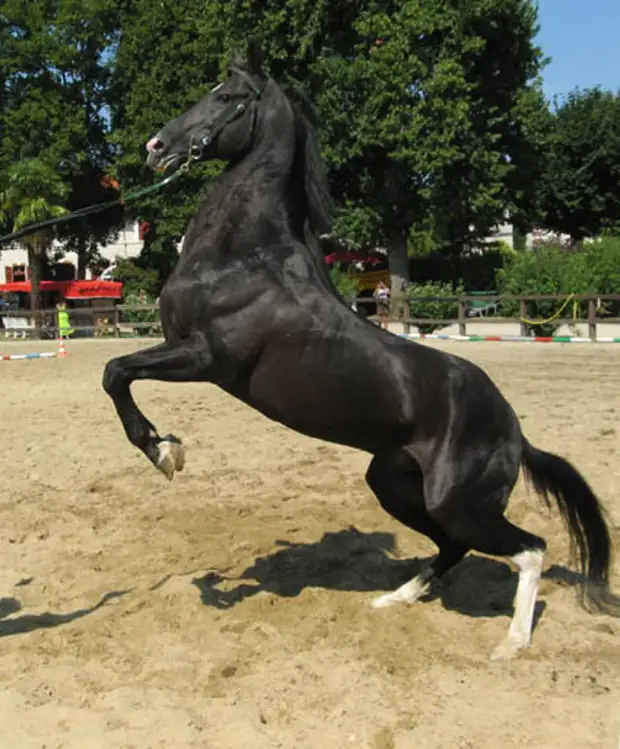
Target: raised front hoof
508 649
171 456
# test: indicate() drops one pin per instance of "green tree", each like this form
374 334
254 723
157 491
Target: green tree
441 124
54 104
580 191
431 112
85 236
433 120
164 57
31 192
135 278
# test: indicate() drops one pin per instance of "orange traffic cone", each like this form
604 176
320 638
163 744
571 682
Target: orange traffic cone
61 348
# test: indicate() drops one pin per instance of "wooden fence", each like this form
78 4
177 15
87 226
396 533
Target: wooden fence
130 320
475 308
114 321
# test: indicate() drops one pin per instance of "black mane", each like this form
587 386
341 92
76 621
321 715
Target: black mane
309 161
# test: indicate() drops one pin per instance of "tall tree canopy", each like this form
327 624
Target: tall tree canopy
54 104
166 55
31 191
434 126
580 189
429 109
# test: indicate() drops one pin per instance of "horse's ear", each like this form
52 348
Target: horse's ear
255 57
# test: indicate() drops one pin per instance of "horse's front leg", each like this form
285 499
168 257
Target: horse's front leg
166 362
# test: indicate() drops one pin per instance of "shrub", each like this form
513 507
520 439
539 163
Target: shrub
134 278
141 316
545 270
603 260
347 287
440 308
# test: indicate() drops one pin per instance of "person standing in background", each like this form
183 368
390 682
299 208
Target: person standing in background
64 327
381 295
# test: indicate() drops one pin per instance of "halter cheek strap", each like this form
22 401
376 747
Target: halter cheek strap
230 114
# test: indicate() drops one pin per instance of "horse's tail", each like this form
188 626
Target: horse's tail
589 533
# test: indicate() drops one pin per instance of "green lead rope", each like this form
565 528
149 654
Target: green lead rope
97 208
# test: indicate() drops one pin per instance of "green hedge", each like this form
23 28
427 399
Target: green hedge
141 316
593 268
439 309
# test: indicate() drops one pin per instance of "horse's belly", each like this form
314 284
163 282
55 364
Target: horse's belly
338 404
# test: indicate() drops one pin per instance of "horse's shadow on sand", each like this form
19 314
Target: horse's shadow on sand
347 560
20 625
353 561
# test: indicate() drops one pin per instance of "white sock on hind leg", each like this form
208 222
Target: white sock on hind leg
520 632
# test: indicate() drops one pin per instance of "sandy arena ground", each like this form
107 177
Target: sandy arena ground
229 609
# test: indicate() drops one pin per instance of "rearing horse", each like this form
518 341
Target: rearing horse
250 307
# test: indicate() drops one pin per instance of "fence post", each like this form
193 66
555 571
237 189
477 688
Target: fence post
117 331
522 314
462 317
592 319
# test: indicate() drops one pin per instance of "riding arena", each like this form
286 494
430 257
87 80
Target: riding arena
281 526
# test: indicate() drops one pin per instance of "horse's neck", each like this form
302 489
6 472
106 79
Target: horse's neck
253 196
254 187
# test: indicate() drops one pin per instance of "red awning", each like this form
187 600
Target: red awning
348 256
70 289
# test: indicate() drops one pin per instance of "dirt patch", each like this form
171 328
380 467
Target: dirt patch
230 608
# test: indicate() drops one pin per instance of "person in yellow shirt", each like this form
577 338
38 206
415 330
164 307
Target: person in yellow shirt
64 328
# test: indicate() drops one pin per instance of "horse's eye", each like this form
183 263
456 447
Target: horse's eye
225 98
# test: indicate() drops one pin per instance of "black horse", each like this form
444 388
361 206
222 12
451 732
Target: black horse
251 308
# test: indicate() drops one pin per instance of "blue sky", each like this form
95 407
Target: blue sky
583 38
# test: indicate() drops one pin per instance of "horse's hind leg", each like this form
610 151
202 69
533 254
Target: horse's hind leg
472 514
167 362
397 482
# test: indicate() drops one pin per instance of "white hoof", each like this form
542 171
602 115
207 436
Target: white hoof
507 649
408 593
382 602
171 458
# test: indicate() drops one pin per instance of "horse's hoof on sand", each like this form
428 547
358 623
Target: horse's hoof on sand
408 593
171 456
507 649
382 602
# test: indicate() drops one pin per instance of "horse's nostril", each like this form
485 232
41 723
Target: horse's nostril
154 145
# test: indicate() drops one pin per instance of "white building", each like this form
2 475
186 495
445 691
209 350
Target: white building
128 244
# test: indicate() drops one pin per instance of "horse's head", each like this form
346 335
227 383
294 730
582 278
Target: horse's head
221 125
